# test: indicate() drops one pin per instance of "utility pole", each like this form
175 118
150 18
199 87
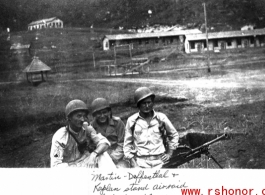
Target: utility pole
94 61
207 43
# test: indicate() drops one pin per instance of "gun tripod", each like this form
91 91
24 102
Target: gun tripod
208 154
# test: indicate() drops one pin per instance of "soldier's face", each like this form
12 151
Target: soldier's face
146 105
102 116
77 119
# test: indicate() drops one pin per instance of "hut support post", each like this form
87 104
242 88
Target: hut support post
42 78
27 76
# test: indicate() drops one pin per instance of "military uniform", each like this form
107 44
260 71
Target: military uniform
115 134
64 148
146 142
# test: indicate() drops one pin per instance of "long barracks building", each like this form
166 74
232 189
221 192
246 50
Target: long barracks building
225 40
147 40
190 41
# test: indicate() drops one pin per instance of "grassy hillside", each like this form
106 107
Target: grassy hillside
58 48
222 15
32 113
64 50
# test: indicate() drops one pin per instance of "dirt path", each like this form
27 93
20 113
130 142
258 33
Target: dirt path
233 89
206 82
212 94
254 79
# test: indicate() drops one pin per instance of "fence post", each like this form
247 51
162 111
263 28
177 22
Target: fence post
94 60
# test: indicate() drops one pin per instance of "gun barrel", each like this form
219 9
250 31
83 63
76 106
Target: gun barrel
191 154
209 143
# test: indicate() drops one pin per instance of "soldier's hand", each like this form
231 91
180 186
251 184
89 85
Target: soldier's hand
92 161
85 125
165 157
133 163
72 164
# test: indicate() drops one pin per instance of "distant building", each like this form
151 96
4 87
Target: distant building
189 40
46 23
225 40
147 40
248 27
19 46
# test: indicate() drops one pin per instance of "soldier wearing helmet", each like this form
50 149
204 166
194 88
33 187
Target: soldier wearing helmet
71 144
150 137
110 127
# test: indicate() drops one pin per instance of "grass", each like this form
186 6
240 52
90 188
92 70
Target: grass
230 98
49 98
243 123
62 86
35 112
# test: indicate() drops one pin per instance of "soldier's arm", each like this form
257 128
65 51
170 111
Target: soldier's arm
117 153
56 154
58 146
128 142
101 142
90 159
172 134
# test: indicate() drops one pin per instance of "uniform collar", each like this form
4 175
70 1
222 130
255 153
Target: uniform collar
111 122
155 115
72 131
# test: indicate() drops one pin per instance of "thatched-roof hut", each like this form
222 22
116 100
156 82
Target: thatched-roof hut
36 70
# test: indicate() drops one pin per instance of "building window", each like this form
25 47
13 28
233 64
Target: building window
261 39
223 44
251 40
245 43
229 43
238 41
140 42
204 44
146 41
215 43
112 43
156 41
192 45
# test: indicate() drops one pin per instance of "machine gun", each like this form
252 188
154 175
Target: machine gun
185 154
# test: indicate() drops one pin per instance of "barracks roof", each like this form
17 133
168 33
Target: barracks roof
43 21
227 34
151 35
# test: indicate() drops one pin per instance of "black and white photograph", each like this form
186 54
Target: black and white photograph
141 88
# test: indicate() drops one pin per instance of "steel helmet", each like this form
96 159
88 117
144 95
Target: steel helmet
99 104
142 93
75 105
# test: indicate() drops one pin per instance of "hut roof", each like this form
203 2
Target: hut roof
36 66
